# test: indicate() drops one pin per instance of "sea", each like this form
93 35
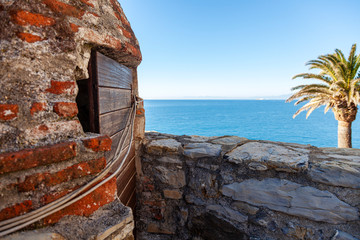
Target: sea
253 119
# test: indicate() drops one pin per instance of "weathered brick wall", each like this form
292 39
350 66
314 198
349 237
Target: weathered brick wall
45 48
195 187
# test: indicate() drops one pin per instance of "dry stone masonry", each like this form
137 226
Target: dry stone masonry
228 187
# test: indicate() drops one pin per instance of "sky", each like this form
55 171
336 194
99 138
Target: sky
235 49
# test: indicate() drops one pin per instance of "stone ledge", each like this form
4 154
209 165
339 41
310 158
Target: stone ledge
112 221
330 166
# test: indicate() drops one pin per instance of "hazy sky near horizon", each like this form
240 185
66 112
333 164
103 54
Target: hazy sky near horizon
235 48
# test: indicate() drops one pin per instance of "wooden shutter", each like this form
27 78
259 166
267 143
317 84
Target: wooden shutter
112 93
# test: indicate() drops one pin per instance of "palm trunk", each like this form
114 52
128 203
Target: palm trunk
344 134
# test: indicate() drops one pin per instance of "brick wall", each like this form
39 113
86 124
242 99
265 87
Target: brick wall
45 49
31 178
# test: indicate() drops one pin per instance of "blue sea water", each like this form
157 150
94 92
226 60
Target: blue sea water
253 119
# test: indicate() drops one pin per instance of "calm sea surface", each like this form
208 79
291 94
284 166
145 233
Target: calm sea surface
253 119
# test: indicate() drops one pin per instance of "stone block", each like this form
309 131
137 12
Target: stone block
170 159
337 172
172 194
199 150
229 142
340 235
156 228
227 214
111 221
279 157
173 178
292 198
243 207
163 146
35 236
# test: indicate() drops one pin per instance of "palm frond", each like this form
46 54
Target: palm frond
340 85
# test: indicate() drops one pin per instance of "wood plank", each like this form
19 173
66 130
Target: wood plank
115 141
127 160
111 99
119 161
123 178
112 74
113 122
126 193
132 201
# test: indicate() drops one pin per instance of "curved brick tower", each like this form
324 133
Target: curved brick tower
45 153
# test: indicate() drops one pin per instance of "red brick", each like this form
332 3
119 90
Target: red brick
27 18
149 187
15 210
79 170
125 32
157 213
43 127
145 179
105 40
48 198
28 37
133 50
117 15
87 3
140 111
58 87
37 107
8 111
74 27
116 9
102 143
94 14
30 158
124 21
87 205
66 109
113 42
63 8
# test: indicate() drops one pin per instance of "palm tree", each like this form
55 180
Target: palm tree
339 90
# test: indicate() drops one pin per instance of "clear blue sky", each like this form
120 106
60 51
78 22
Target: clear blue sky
235 48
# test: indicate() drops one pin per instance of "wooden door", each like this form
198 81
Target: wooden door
111 85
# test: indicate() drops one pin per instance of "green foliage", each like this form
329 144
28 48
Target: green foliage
339 87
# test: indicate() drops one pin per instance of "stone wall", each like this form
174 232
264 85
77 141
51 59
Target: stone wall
193 187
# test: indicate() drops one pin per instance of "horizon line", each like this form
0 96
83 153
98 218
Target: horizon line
257 99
